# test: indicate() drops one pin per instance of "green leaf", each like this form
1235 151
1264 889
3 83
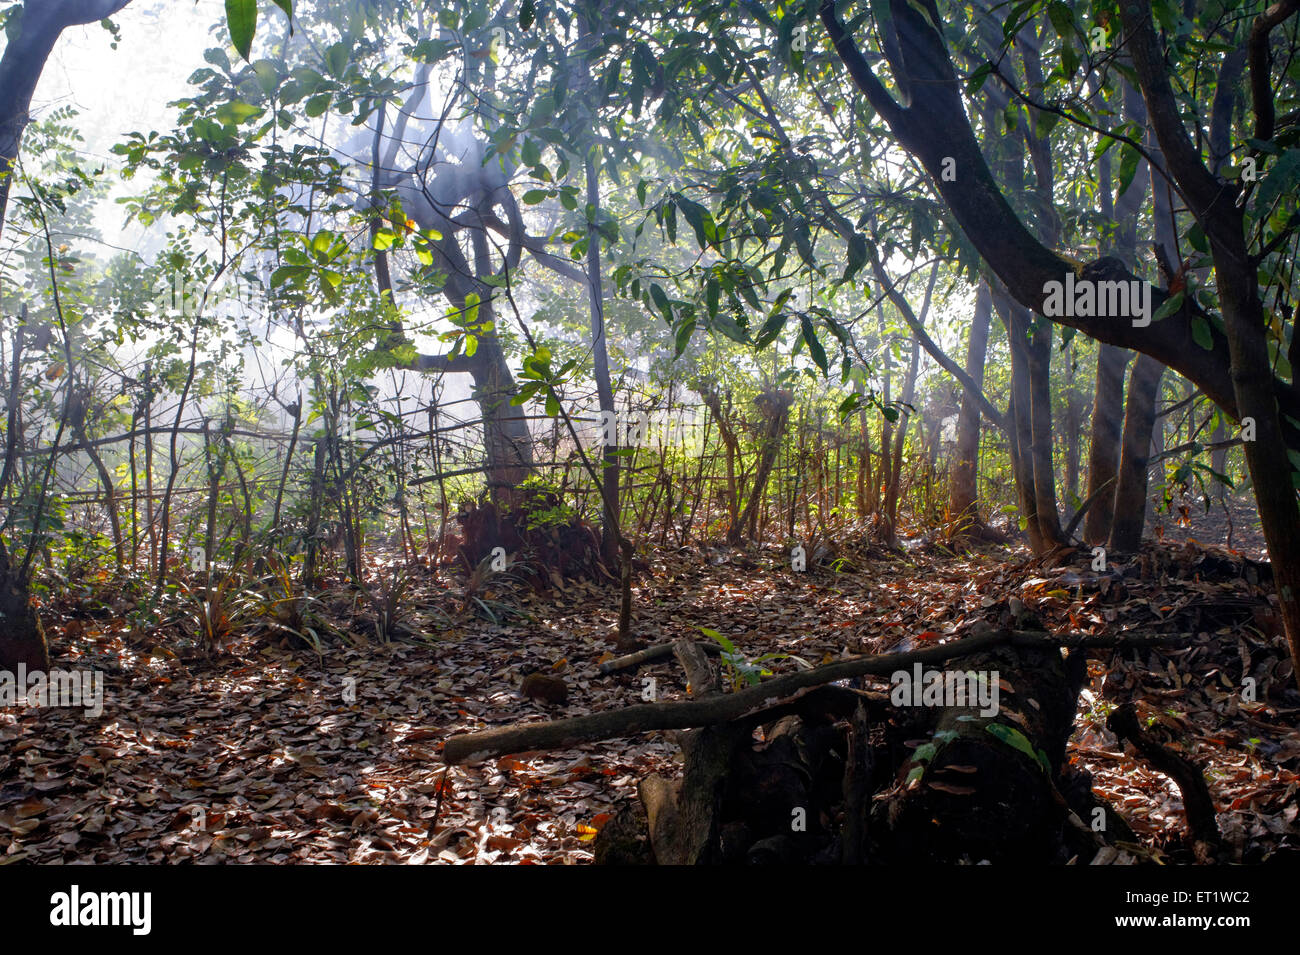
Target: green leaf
1128 165
770 330
683 336
925 752
722 641
1283 177
317 105
815 348
701 220
1201 333
1014 738
1069 61
232 114
287 7
1062 18
534 196
977 78
725 323
1172 304
241 19
609 230
661 302
857 256
287 273
530 153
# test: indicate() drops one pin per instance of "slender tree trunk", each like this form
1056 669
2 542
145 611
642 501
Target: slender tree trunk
1131 490
1219 460
609 540
963 489
315 497
893 492
110 491
1044 471
1020 436
1070 439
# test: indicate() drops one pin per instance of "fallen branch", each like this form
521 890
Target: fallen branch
643 718
1198 805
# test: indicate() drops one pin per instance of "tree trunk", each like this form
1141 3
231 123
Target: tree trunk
1104 447
1040 390
1107 414
1144 381
609 539
1131 488
1020 434
963 489
1071 439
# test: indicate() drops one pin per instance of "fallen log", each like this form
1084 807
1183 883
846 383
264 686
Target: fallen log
647 717
839 775
661 651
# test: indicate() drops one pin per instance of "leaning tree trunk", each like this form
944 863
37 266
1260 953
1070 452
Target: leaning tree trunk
39 25
1214 204
774 406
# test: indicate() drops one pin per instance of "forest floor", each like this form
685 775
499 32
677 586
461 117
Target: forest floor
261 755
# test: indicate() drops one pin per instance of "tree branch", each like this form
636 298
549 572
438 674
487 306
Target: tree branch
1261 61
951 367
